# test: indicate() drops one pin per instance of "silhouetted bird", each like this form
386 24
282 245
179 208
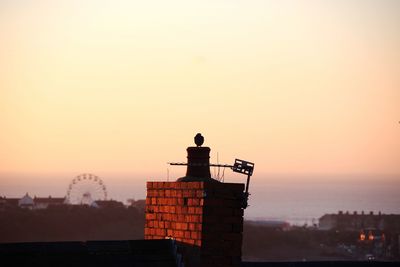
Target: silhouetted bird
199 139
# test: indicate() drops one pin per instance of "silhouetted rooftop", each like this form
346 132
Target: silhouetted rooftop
319 263
149 253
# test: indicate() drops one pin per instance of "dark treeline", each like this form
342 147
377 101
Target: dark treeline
70 223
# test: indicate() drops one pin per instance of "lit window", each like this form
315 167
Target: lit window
370 236
362 236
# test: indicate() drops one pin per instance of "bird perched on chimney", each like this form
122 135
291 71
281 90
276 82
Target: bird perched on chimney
198 139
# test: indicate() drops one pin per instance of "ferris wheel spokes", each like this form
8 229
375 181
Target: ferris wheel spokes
86 188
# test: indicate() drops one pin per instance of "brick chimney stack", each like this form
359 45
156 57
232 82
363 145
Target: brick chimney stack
203 215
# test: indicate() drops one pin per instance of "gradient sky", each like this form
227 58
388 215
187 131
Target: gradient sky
119 88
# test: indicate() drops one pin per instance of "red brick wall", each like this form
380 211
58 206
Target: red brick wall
205 216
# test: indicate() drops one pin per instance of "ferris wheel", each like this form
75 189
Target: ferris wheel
86 188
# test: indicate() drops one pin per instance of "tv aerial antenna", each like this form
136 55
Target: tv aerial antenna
239 166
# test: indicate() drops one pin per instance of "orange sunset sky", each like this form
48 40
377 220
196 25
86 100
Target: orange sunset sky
119 88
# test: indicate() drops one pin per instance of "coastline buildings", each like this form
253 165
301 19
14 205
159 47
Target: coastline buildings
357 221
27 202
37 203
45 202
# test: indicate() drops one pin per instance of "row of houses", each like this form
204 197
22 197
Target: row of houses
29 202
355 221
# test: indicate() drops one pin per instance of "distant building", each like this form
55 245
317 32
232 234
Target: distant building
26 202
45 202
356 221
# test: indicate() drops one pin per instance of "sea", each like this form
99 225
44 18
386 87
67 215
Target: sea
304 202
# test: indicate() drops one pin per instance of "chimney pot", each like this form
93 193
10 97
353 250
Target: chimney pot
198 163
